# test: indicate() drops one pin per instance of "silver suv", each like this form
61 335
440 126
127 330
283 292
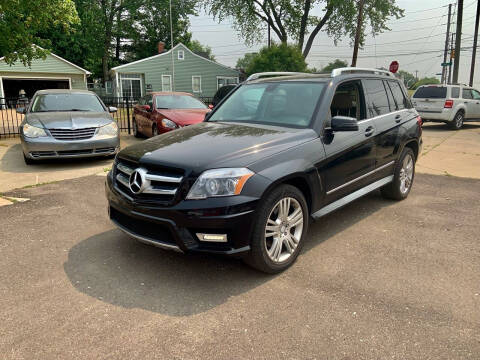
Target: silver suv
451 104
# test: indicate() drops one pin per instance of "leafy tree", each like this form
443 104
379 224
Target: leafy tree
408 78
425 81
292 19
277 57
334 65
202 50
244 62
21 21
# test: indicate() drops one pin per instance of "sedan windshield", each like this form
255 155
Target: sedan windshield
178 102
272 103
66 102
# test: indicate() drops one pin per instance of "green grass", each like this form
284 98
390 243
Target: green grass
37 185
106 170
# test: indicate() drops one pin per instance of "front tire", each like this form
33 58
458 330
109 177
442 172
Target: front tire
457 122
279 231
403 177
154 130
136 133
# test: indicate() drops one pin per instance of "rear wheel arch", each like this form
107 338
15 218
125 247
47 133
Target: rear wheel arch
413 144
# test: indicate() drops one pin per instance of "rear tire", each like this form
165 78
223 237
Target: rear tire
457 122
279 231
403 177
154 130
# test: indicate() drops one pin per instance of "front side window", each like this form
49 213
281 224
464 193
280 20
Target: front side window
467 94
196 84
67 102
455 92
401 101
178 102
347 101
377 102
476 94
290 104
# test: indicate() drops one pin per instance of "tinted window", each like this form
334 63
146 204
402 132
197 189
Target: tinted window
178 102
377 102
275 103
467 94
401 101
455 92
431 92
67 102
476 94
390 97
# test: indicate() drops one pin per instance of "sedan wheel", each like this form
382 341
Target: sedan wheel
457 122
284 229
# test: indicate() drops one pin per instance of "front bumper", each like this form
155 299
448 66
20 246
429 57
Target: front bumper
50 148
175 227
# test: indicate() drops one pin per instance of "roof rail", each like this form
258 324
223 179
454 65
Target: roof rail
353 70
270 74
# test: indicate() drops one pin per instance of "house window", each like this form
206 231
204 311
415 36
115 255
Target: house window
181 55
131 85
166 82
226 80
196 84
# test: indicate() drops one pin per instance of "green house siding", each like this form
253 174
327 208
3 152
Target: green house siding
152 69
51 64
77 80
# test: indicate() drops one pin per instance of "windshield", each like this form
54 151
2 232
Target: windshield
178 102
285 104
66 102
431 92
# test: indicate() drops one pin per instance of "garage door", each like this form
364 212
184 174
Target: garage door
12 86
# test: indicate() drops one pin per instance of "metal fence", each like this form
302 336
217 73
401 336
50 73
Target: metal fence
10 119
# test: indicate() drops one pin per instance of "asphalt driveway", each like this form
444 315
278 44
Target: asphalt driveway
376 280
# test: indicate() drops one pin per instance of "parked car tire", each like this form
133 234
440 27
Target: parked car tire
457 122
136 133
278 234
154 130
403 177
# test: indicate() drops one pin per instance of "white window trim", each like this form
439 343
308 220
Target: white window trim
171 85
227 77
125 76
200 77
183 55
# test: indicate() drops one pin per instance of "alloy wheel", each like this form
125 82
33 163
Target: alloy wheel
406 174
283 230
459 121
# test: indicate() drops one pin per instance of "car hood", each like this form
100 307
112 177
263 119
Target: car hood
68 119
184 116
213 145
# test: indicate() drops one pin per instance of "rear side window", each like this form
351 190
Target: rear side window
377 102
467 94
455 92
431 92
401 101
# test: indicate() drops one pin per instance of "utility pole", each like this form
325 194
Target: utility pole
475 38
458 42
357 34
451 59
447 38
416 75
171 41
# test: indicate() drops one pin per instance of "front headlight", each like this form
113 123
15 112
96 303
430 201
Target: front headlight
219 182
169 124
108 130
33 131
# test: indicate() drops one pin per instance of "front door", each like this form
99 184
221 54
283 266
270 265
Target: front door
476 100
350 155
470 103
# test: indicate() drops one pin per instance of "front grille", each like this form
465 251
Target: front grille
160 184
74 152
37 154
148 229
73 134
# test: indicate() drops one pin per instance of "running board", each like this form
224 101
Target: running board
352 197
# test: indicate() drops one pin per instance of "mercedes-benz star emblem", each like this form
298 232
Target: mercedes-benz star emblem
137 181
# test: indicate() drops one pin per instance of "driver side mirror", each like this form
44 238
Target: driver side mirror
344 123
112 109
146 107
210 106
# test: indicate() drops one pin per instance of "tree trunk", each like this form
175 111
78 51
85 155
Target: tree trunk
315 32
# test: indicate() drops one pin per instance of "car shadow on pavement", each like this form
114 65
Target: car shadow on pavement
12 161
114 268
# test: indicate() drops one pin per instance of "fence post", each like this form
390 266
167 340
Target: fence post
128 116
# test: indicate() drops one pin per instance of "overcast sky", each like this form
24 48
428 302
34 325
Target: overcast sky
422 29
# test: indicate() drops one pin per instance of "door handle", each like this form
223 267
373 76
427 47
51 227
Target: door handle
398 118
369 131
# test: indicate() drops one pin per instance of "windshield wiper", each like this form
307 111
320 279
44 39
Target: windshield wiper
78 110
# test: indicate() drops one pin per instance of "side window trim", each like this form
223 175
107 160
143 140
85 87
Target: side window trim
390 96
361 95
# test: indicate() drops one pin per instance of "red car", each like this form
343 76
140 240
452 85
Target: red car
159 112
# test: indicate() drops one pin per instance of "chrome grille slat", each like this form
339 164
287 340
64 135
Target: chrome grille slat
122 179
125 169
161 178
73 134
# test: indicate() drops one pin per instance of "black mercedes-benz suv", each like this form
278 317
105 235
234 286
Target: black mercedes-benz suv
276 152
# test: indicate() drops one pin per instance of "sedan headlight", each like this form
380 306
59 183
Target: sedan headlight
33 131
219 182
108 130
169 124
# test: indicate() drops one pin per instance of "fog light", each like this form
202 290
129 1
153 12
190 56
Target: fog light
212 237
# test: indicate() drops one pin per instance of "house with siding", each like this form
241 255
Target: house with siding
53 72
178 69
